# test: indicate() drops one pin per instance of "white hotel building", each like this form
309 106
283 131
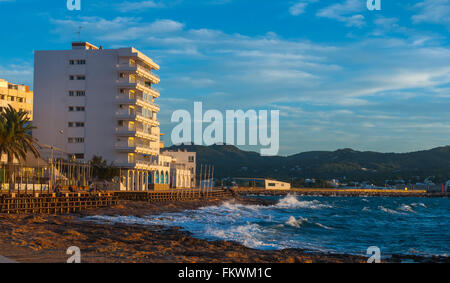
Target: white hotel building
94 101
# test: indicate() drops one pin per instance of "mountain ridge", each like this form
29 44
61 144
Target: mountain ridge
347 164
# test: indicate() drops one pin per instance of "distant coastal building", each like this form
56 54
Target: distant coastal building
91 101
189 160
259 183
19 96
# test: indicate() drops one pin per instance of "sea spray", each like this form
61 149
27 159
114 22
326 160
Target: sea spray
342 225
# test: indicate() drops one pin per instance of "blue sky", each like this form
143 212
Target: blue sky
341 75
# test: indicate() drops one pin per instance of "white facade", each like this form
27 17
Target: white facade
188 159
94 101
277 185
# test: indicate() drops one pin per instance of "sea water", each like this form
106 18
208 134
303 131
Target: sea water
419 226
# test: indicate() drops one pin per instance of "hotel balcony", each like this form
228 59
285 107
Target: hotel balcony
133 131
133 115
136 147
135 99
140 71
130 83
126 114
140 164
147 89
144 119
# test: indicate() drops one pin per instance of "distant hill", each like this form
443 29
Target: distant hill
230 161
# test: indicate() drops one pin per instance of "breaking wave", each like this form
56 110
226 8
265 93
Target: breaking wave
328 224
291 201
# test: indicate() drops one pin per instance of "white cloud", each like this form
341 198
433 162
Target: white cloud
298 8
358 84
347 12
433 11
138 6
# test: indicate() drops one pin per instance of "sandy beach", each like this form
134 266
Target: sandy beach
45 239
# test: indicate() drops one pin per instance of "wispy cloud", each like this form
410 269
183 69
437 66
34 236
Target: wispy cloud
300 6
348 12
433 11
128 6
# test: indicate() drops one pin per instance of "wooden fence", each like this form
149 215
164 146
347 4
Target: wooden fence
173 195
54 203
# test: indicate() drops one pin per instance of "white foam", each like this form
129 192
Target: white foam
249 235
297 223
406 208
390 211
291 201
323 226
419 204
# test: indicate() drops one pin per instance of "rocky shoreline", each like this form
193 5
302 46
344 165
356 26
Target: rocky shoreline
45 239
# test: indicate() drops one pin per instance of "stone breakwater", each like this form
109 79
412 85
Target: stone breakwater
339 192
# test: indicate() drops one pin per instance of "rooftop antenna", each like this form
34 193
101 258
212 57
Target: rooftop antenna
79 33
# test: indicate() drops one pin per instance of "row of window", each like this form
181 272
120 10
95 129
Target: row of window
77 62
77 93
76 124
12 98
76 140
78 78
77 108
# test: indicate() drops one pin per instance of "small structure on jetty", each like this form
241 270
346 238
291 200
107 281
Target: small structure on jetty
259 183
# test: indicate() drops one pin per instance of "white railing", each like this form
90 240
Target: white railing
126 112
148 72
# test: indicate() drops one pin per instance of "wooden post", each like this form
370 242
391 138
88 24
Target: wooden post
200 180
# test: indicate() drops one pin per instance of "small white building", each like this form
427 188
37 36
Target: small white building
259 183
188 160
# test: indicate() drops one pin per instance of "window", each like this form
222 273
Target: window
77 108
76 124
78 77
191 159
271 184
76 140
77 62
77 93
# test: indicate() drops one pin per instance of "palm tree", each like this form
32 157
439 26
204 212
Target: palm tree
15 139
